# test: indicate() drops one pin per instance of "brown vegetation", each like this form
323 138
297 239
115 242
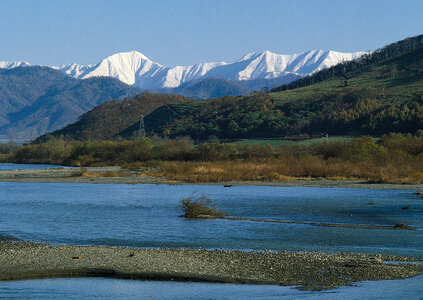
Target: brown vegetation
5 158
200 207
394 158
7 150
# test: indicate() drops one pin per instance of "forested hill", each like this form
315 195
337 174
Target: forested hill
110 118
361 64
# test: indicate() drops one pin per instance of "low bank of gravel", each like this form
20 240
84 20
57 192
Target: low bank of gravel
308 271
71 175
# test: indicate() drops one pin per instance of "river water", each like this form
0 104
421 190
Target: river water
4 166
147 216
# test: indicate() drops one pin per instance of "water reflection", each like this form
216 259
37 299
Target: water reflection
89 288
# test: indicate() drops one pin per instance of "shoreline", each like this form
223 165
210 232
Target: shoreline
305 270
67 175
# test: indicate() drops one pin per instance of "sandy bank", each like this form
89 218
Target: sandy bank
71 176
310 271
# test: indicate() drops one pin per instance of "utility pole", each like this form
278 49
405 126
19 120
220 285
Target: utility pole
142 128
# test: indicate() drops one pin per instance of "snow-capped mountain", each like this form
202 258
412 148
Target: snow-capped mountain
136 69
13 64
270 65
132 68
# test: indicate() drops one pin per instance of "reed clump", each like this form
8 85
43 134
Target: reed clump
200 207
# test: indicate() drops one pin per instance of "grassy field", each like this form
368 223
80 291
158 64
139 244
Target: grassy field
294 140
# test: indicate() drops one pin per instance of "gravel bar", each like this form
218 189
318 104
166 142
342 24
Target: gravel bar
71 175
307 271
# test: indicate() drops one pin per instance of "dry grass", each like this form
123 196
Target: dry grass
86 174
285 170
202 169
91 175
201 206
395 158
5 157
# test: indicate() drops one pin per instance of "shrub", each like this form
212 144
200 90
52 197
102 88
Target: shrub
200 206
9 148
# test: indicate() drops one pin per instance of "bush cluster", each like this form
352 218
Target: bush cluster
392 158
194 207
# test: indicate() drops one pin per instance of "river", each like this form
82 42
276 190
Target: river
147 216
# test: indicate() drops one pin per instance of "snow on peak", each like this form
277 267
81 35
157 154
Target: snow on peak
131 55
124 66
13 64
247 56
134 68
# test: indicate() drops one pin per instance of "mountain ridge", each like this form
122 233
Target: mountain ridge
134 68
36 99
13 64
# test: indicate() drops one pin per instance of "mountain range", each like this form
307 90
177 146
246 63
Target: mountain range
14 64
39 99
134 68
379 93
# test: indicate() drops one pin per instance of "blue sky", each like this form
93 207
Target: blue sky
54 32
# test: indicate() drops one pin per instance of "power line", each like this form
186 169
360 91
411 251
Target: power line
141 131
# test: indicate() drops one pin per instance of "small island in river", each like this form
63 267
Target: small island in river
306 270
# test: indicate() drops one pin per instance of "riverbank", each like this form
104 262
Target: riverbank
114 175
111 174
308 271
